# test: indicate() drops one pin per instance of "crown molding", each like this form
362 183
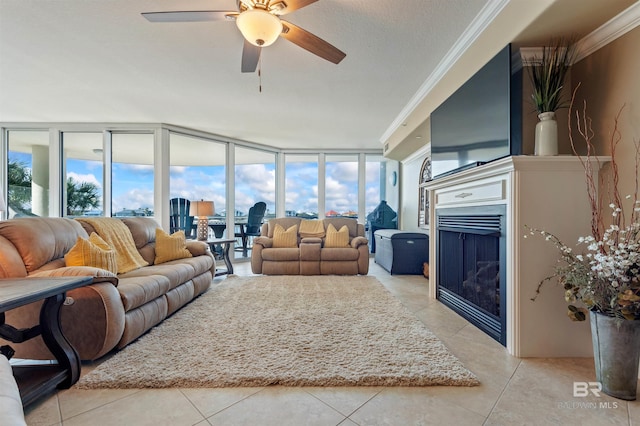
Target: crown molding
480 23
616 27
530 55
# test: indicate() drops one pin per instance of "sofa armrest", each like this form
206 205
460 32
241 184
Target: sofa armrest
197 248
359 241
99 275
265 242
259 243
92 319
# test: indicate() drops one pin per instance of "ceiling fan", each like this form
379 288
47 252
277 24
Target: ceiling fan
260 24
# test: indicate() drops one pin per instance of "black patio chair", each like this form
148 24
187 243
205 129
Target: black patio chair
179 218
252 227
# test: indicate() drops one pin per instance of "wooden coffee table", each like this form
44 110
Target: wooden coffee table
37 380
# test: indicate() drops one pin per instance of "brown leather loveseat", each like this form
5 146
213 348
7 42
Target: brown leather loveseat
310 254
114 309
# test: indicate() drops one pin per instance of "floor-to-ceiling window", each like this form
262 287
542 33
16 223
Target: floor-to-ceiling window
301 185
375 184
255 180
27 173
198 172
341 185
132 184
83 166
122 171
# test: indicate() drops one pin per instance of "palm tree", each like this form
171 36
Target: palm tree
81 197
19 178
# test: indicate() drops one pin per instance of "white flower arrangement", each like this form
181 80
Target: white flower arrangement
606 276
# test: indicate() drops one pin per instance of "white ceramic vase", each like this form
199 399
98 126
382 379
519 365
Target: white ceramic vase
546 134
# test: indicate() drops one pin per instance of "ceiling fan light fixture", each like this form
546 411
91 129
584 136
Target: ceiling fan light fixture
259 27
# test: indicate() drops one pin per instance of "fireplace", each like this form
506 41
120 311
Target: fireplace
471 252
514 191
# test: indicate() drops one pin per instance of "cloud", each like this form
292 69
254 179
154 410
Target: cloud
301 187
253 183
343 171
89 178
133 199
93 164
335 189
199 183
135 168
340 196
372 173
256 175
372 198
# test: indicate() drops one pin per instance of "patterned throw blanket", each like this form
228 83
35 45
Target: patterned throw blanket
117 235
311 228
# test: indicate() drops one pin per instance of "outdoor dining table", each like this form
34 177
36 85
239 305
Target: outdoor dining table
218 226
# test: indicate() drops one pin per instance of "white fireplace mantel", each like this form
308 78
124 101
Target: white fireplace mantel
541 192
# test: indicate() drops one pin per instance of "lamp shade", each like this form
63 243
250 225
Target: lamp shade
259 27
202 208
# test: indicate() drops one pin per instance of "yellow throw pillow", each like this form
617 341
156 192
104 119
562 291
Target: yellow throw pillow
92 252
170 247
285 239
335 238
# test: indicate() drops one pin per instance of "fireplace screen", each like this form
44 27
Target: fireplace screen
470 277
477 279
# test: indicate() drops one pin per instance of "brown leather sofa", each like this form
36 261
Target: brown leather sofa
115 309
310 257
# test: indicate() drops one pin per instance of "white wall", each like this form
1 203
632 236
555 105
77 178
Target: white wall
392 196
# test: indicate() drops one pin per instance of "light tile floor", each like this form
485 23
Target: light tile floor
513 391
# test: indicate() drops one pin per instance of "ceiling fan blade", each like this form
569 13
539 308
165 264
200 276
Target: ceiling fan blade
282 7
250 57
312 43
189 16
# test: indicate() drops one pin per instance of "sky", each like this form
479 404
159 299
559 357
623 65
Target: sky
132 185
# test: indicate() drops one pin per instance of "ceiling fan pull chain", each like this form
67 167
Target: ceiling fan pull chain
260 73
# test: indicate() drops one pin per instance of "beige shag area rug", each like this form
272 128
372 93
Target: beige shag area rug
286 330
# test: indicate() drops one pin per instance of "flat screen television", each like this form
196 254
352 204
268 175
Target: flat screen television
482 120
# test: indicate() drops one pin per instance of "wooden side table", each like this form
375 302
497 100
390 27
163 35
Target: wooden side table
225 243
35 381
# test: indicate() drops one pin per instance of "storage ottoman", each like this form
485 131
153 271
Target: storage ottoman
401 252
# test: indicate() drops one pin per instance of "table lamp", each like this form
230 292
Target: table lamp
202 209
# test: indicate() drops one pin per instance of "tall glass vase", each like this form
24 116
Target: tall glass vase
547 134
616 350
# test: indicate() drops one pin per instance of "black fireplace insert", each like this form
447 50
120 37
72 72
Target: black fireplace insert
471 265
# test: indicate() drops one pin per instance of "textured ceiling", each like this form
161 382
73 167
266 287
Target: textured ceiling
101 61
